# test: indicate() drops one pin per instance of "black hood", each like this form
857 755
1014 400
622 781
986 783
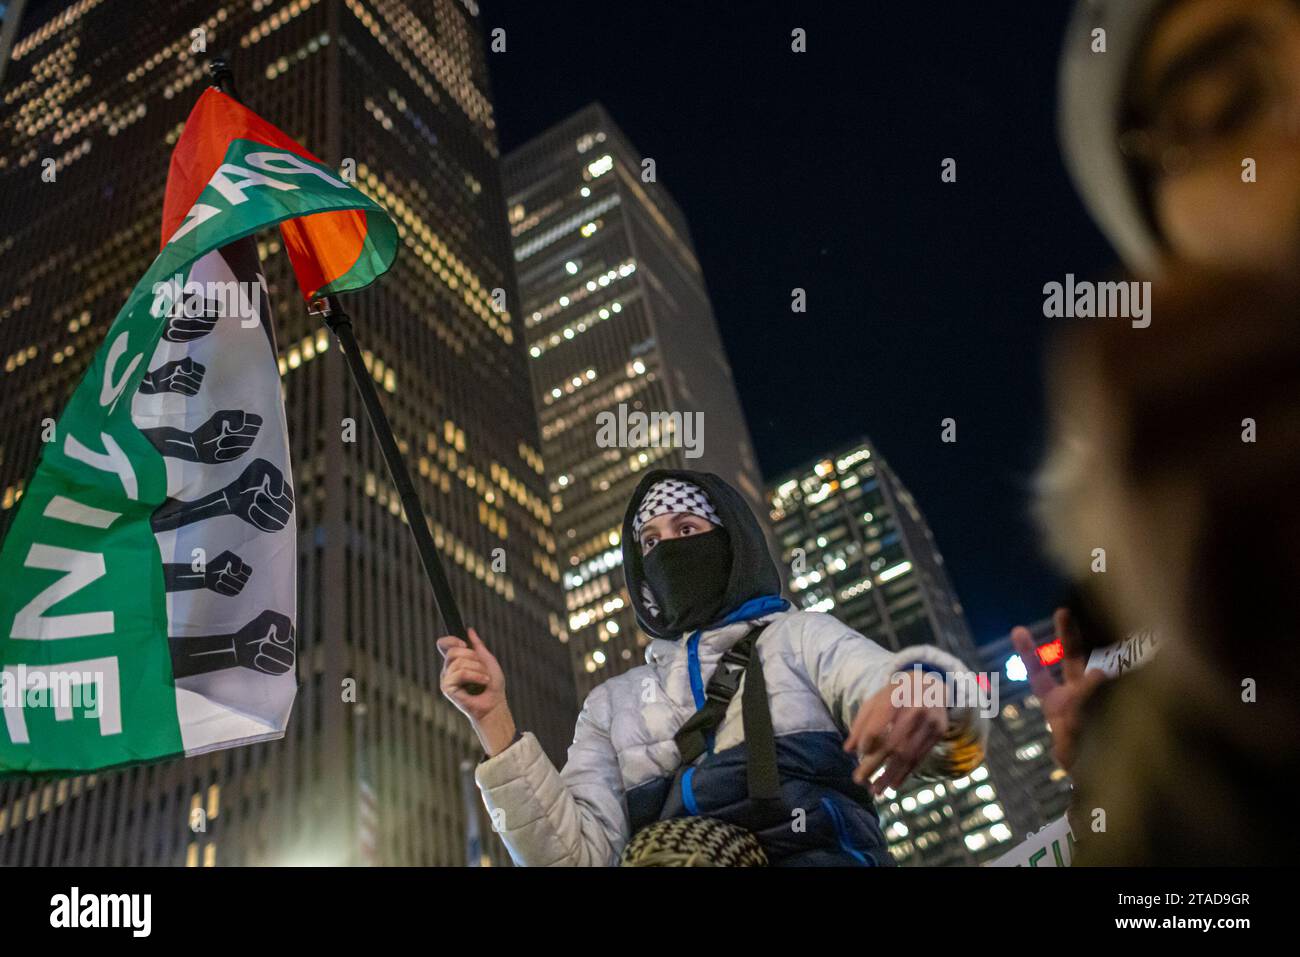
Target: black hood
753 573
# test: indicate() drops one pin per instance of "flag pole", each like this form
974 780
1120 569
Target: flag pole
339 322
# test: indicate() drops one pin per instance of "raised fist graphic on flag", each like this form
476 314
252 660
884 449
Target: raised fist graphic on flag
185 322
227 574
265 645
260 496
184 376
223 438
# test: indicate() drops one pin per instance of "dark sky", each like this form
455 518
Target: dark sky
821 170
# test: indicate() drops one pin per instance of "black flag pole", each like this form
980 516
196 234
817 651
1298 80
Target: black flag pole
339 323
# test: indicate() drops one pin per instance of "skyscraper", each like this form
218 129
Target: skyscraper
619 326
858 548
102 88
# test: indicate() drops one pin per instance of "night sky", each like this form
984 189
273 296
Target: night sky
822 170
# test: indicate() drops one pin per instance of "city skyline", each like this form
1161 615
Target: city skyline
502 487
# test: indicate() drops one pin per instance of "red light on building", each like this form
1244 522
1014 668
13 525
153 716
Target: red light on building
1052 652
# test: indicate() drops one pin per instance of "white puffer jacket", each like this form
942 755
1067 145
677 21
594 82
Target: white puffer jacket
621 771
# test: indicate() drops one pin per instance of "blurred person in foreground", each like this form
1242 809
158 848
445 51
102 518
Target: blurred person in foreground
1158 130
722 748
1177 449
1183 138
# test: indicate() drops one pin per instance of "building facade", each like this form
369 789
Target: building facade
858 548
102 88
621 337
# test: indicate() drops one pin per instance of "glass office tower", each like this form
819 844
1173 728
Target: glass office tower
619 325
858 548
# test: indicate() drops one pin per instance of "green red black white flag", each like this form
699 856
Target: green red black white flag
149 572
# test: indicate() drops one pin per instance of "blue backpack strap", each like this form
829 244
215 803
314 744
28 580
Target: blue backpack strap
692 738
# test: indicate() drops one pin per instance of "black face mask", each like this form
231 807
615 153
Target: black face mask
689 577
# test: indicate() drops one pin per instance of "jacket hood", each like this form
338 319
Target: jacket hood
1091 102
753 573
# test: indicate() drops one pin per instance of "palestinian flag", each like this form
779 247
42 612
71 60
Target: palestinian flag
149 572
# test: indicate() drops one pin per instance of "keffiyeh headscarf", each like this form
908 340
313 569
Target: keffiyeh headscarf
670 496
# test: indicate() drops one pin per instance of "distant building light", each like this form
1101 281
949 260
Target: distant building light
820 495
1029 751
853 458
1015 669
889 574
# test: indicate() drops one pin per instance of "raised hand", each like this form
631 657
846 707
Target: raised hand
1061 701
261 496
265 644
183 328
488 712
184 376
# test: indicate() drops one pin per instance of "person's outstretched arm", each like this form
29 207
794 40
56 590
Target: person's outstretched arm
856 679
574 817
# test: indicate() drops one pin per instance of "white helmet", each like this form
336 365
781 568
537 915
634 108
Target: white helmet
1090 109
